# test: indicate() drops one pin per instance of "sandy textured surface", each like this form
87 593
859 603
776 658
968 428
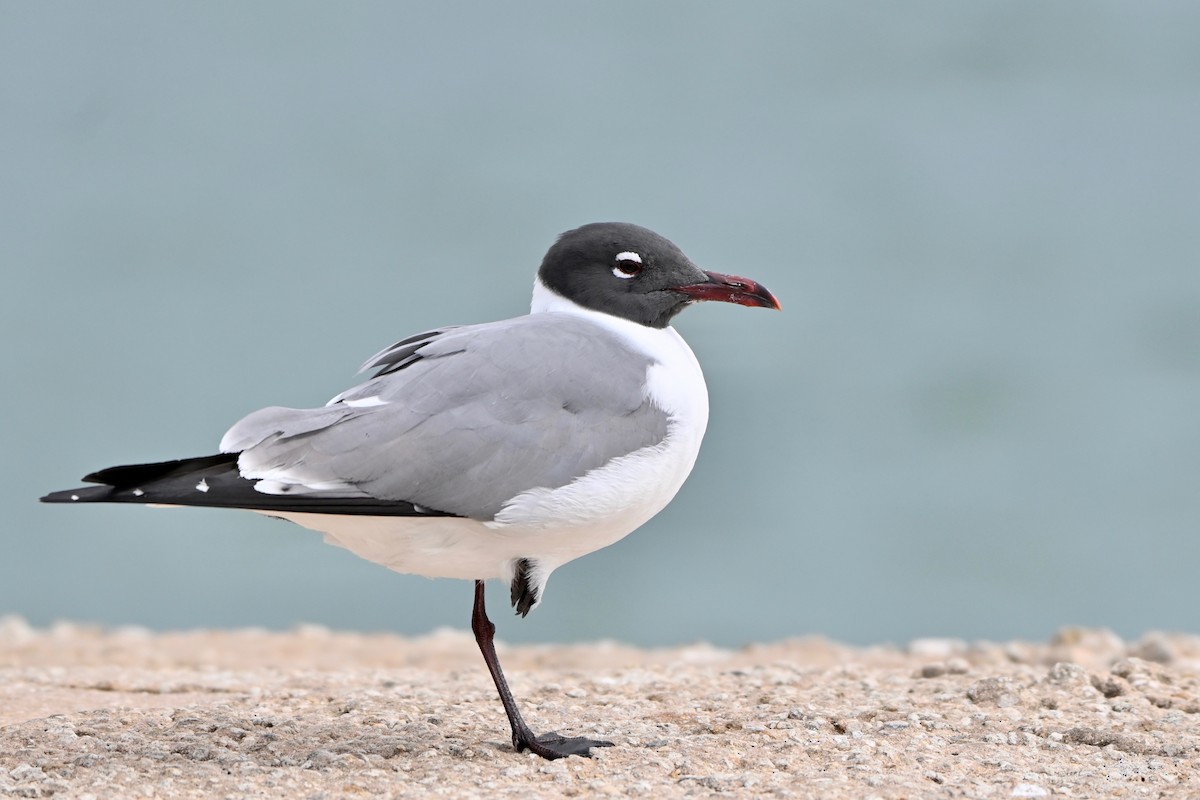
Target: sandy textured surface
317 714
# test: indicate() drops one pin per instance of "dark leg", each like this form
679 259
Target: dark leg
550 745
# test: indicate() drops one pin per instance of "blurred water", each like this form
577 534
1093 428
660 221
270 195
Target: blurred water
976 417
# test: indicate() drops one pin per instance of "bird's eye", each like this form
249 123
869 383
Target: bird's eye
628 264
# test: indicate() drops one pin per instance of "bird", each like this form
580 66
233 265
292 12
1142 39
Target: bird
499 450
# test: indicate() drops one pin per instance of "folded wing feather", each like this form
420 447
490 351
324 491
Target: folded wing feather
463 419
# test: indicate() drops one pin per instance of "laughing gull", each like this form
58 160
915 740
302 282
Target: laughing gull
499 450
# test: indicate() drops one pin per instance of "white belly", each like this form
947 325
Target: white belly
549 526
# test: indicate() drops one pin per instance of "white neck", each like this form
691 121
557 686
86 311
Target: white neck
643 337
546 299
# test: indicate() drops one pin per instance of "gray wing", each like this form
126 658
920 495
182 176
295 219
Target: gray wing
463 419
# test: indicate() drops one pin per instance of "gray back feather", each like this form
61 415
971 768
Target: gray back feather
463 419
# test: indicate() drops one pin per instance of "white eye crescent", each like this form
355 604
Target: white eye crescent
628 264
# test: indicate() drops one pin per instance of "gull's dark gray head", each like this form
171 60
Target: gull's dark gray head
631 272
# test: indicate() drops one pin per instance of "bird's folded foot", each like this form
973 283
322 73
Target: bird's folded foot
551 745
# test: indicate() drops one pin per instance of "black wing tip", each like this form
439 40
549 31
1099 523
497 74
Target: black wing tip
117 480
86 494
214 481
128 476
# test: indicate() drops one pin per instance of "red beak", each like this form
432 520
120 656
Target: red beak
730 289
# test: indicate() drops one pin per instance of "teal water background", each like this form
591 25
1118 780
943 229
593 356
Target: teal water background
978 415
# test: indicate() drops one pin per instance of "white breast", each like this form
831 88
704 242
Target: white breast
608 503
